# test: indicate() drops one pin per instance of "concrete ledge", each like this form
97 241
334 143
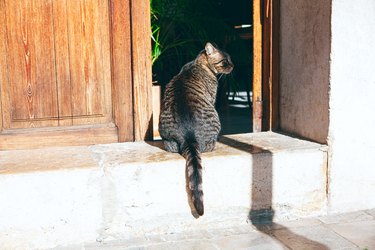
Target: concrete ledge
61 196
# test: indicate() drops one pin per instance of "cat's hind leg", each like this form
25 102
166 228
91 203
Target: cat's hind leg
171 146
209 145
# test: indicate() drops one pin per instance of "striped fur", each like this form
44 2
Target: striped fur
189 123
190 150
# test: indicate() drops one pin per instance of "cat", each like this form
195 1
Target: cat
189 123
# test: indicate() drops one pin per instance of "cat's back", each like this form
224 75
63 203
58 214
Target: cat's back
181 84
192 83
189 74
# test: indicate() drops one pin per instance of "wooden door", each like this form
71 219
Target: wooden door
66 72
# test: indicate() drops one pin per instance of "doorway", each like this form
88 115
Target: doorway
235 92
181 28
180 31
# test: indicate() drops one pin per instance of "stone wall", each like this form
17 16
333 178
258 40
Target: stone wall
304 66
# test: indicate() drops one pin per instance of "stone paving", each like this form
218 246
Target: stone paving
345 231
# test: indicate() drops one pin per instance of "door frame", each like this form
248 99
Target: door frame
266 20
130 21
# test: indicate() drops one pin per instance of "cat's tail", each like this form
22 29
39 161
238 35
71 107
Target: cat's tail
190 151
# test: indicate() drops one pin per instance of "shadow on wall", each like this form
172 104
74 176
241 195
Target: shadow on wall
262 213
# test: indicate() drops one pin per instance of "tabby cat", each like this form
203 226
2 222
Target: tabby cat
189 123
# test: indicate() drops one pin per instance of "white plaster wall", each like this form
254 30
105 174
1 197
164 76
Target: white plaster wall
352 106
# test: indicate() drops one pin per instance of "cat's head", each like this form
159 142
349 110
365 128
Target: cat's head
218 60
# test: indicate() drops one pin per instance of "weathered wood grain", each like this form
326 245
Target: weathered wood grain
3 58
74 63
55 137
31 91
275 114
142 75
89 55
122 82
58 63
257 64
63 77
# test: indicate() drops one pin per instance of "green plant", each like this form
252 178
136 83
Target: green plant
180 28
155 32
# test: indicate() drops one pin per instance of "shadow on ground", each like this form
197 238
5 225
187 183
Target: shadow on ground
262 213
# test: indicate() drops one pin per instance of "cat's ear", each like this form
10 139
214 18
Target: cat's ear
210 49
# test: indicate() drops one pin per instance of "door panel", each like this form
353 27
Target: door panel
89 52
31 89
58 56
62 58
66 73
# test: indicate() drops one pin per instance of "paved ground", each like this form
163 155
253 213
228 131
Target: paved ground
346 231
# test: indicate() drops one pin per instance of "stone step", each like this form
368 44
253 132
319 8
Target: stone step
62 196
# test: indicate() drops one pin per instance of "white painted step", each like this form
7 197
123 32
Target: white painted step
62 196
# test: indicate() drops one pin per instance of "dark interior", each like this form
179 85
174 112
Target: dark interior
180 30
